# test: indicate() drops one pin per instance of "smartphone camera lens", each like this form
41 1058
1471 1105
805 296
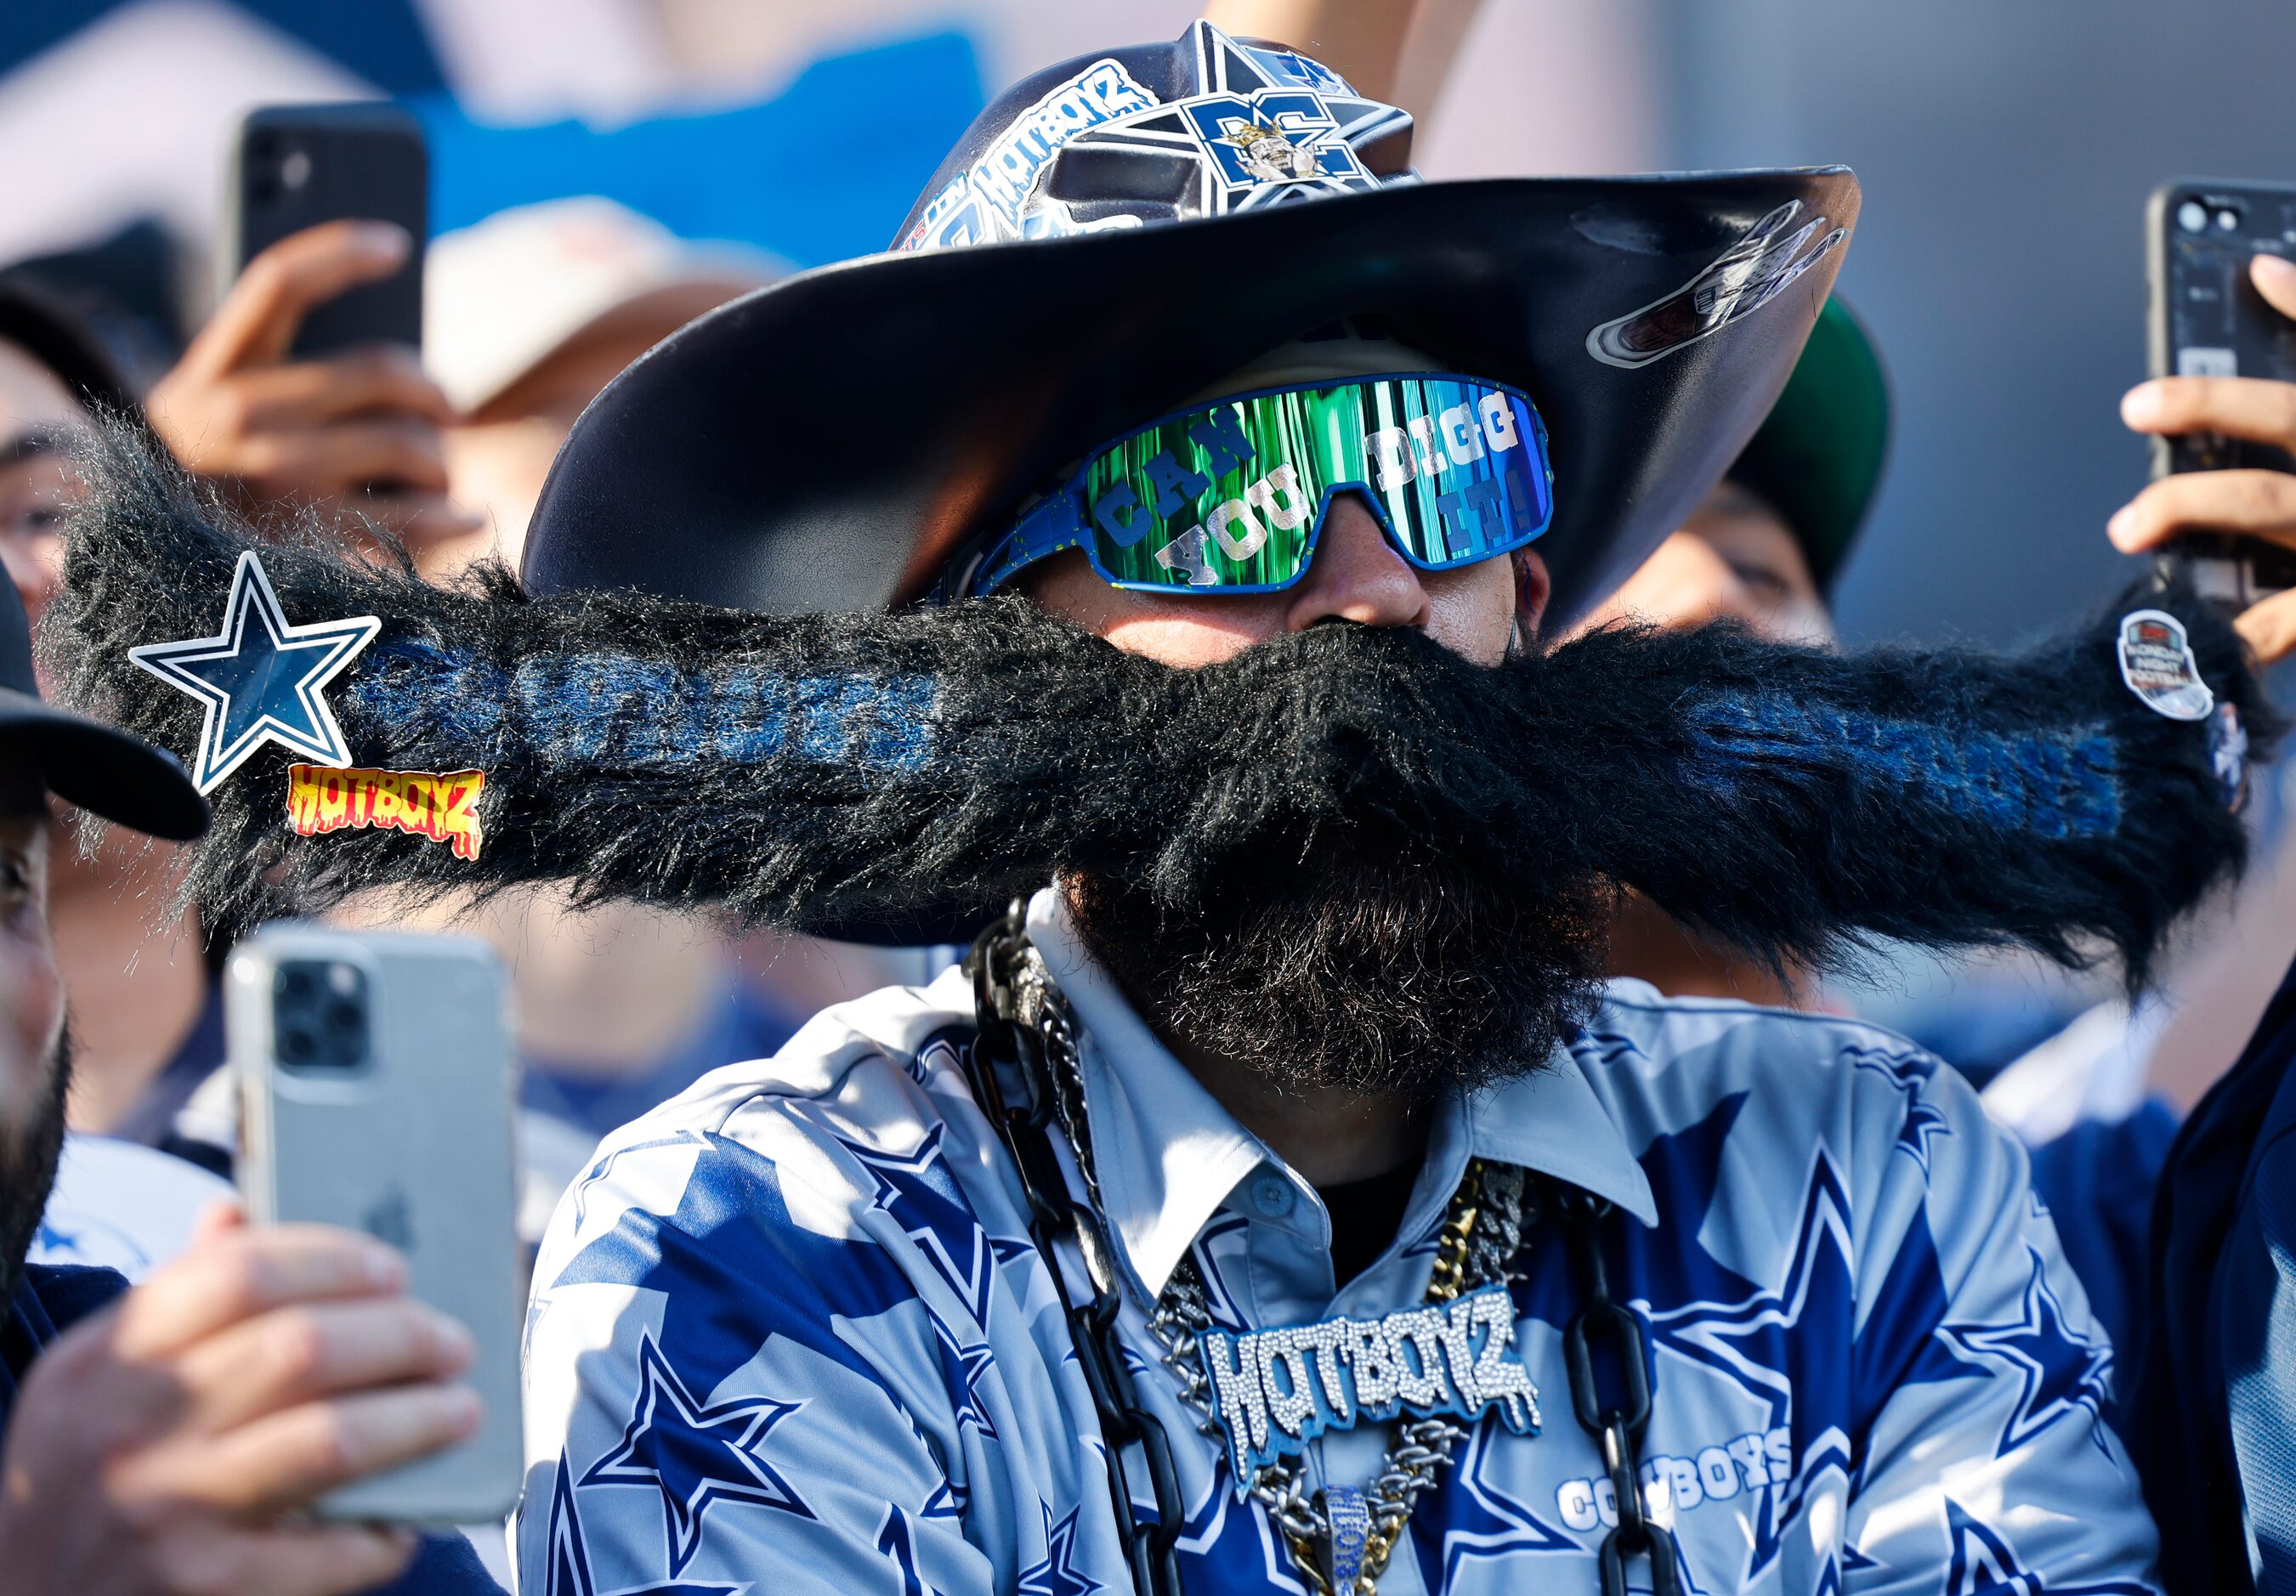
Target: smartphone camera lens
2229 219
295 170
2193 216
319 1015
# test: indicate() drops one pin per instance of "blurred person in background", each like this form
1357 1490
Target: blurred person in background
171 1438
356 438
2212 1384
1764 550
528 316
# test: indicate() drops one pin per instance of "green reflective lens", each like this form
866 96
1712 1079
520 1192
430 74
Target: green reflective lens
1230 496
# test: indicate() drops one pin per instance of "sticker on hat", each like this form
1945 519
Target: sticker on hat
260 679
988 200
443 808
1255 127
1739 281
2156 661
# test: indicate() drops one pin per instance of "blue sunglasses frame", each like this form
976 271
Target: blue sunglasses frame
1058 520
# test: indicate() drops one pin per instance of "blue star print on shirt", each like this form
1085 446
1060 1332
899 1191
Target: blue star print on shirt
2063 1373
819 1228
568 1570
695 1456
1983 1565
1057 1574
918 1191
1909 1072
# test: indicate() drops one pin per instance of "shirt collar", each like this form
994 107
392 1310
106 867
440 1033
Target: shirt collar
1168 1155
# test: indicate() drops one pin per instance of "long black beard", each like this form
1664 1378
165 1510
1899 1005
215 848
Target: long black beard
28 1155
1391 979
848 772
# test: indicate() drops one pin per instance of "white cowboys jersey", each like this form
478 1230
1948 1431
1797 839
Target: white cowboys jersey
788 1334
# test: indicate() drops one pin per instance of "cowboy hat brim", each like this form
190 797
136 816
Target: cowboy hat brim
827 444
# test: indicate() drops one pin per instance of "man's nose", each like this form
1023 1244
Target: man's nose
1356 576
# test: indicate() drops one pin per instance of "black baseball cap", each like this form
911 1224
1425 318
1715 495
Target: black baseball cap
93 766
1819 455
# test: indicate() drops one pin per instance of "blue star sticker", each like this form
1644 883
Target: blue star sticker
2063 1373
695 1456
260 678
1057 1574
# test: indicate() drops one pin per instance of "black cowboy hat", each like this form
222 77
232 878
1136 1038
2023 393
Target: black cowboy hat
96 768
830 443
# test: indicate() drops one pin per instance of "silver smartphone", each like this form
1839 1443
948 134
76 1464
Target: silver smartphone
376 1072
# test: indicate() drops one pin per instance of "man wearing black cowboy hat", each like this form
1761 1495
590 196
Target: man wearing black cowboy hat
1319 1235
1183 519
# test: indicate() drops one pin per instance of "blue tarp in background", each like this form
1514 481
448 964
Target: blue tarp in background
823 171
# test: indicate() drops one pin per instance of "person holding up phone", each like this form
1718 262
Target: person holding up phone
269 431
2247 503
166 1439
355 433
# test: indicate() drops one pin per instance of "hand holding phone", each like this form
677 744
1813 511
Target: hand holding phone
2221 405
376 1077
305 387
178 1438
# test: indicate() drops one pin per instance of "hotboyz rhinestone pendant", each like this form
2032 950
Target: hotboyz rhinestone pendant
1339 1538
1275 1390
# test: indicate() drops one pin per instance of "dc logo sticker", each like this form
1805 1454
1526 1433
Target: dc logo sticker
1276 135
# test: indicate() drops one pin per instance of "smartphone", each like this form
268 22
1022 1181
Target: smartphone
376 1078
293 167
2205 319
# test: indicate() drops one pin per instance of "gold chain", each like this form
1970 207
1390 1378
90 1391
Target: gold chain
1445 1281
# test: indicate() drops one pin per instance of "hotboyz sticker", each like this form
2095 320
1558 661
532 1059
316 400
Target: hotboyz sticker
2156 661
986 201
443 808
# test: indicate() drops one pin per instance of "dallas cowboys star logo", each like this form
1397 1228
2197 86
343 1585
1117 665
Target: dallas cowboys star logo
921 1193
2063 1373
1983 1562
1057 1574
1909 1073
1271 128
1478 1523
695 1456
966 1365
260 679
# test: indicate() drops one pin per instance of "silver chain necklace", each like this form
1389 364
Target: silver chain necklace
1340 1539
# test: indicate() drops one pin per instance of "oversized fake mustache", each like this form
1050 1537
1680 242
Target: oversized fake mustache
845 772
